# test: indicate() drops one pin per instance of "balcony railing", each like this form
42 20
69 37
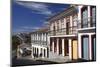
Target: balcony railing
64 31
85 23
39 42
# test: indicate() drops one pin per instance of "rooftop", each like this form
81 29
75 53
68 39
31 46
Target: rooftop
67 11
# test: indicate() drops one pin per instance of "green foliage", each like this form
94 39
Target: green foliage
27 39
15 42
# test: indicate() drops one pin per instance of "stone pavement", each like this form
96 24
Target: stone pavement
57 60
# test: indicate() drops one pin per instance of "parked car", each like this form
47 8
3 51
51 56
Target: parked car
26 52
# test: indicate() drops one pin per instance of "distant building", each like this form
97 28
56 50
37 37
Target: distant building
23 50
39 43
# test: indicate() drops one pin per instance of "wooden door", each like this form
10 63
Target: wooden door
85 47
74 49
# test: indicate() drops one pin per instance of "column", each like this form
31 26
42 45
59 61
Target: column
57 46
37 38
70 49
32 52
63 47
34 38
42 38
79 12
90 50
79 16
71 22
45 52
39 49
70 25
17 51
42 52
79 46
89 16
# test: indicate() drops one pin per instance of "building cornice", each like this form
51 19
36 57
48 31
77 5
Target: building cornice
64 13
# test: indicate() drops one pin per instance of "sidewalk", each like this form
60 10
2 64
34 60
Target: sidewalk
57 60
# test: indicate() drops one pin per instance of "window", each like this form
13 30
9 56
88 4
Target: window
62 22
67 25
74 20
55 45
57 25
54 30
93 16
84 16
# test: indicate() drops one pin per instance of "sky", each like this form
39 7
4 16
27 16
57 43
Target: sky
29 16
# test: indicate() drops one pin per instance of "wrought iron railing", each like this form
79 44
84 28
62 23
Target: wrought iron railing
83 23
87 22
64 31
39 42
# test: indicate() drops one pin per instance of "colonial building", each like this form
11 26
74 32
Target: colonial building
87 32
63 34
39 43
72 33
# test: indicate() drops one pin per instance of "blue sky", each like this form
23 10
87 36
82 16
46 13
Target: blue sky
28 16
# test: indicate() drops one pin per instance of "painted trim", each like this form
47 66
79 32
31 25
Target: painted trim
89 28
64 36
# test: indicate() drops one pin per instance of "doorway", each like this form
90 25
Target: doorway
74 49
85 47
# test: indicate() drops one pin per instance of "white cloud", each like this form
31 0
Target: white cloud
46 22
39 8
26 29
30 28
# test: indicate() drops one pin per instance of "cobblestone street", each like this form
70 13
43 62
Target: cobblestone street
25 62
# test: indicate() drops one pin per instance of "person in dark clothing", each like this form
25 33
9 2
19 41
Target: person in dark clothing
40 54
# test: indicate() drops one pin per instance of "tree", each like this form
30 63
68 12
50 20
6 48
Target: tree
15 42
27 39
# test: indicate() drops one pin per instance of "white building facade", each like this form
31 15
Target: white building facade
39 44
63 34
87 32
73 33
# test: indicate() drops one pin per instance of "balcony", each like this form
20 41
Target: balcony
64 31
39 42
81 24
87 23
